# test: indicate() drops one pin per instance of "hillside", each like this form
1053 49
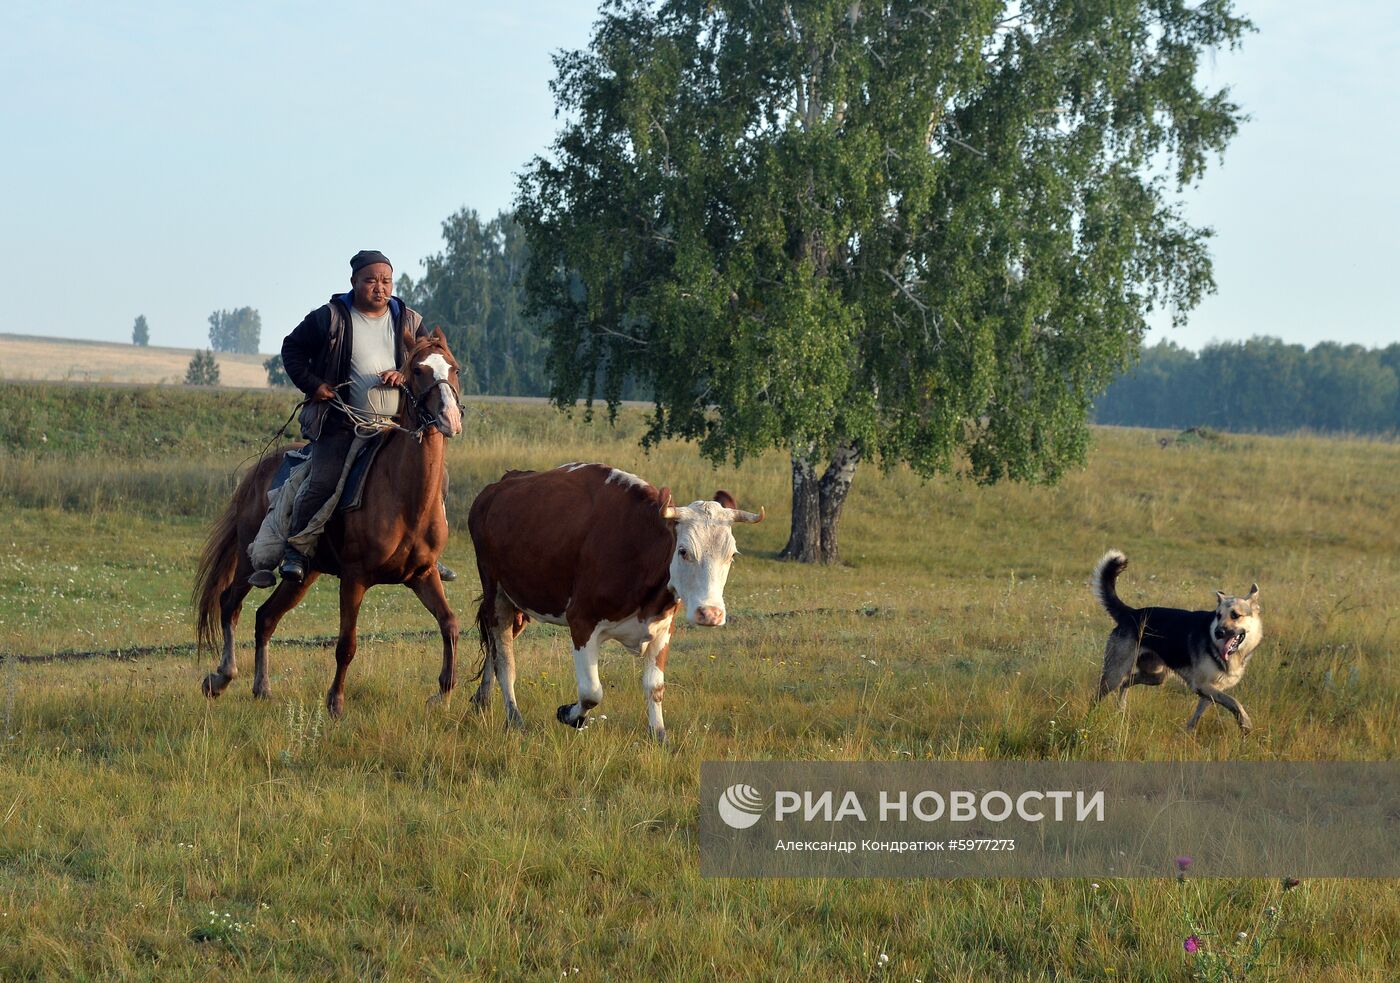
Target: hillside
27 357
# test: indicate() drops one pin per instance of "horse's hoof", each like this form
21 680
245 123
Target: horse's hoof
263 692
659 735
335 706
514 721
562 715
213 685
440 698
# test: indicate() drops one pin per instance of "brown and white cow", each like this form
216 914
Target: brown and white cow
608 555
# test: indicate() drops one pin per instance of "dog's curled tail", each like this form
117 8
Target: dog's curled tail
1105 586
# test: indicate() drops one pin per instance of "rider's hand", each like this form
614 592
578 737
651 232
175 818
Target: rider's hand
391 378
323 392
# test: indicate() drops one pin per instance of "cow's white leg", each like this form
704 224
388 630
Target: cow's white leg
654 677
505 675
590 689
502 659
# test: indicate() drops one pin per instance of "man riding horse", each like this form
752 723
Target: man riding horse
347 352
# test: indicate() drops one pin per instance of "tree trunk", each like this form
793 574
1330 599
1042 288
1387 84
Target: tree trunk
835 486
817 504
804 541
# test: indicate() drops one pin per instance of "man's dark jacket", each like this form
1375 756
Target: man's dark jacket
318 350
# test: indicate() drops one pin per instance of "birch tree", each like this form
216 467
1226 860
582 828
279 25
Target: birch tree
896 233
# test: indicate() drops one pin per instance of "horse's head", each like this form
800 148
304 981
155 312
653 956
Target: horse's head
431 380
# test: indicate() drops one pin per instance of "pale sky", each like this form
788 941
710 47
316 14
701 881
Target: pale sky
171 159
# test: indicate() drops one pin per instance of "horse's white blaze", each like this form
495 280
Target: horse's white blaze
441 370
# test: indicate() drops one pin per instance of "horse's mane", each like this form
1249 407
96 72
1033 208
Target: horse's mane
434 341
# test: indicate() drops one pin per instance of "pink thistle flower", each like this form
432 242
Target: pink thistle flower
1192 944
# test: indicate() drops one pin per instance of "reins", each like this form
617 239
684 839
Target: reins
366 422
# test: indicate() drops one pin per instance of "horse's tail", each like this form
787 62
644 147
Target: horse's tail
218 561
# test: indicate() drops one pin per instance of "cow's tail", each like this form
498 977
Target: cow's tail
1105 586
486 630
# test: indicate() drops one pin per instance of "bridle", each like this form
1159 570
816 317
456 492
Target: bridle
426 421
369 424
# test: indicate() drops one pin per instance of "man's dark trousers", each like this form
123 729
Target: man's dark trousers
327 461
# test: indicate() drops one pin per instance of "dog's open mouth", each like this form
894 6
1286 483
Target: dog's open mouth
1230 645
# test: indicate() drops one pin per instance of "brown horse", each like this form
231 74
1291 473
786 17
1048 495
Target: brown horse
394 538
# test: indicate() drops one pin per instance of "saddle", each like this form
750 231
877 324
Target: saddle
275 533
352 495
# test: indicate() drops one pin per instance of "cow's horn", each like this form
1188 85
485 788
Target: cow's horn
739 515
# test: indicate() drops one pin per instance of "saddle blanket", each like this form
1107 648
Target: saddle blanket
275 533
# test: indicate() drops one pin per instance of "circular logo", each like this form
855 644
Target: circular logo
740 806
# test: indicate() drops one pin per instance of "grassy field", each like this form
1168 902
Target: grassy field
29 358
146 833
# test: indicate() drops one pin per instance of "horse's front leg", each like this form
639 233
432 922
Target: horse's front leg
434 598
352 592
270 613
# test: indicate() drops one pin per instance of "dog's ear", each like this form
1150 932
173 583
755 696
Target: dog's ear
1220 597
1253 597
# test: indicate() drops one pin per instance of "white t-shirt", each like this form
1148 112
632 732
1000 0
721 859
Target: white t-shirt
371 352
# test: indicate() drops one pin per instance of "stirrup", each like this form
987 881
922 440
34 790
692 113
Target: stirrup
293 567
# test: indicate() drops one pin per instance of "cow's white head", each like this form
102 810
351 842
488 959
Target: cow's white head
705 550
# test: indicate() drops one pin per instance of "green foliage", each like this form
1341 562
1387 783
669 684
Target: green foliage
140 331
203 369
235 331
129 422
831 224
276 375
473 290
1261 385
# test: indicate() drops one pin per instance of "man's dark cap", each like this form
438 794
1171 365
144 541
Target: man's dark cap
367 257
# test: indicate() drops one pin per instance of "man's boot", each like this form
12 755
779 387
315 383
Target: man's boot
293 565
445 573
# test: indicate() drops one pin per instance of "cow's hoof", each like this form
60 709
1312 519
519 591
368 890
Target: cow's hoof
214 685
562 715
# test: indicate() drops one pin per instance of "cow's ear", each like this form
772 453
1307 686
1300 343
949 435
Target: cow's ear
665 505
726 499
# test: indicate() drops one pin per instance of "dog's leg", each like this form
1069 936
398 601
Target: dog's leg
1151 671
1212 695
1119 656
1196 717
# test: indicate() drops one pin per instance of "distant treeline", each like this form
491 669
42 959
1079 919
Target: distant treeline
474 291
1262 385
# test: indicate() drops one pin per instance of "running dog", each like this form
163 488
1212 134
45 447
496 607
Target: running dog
1209 650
